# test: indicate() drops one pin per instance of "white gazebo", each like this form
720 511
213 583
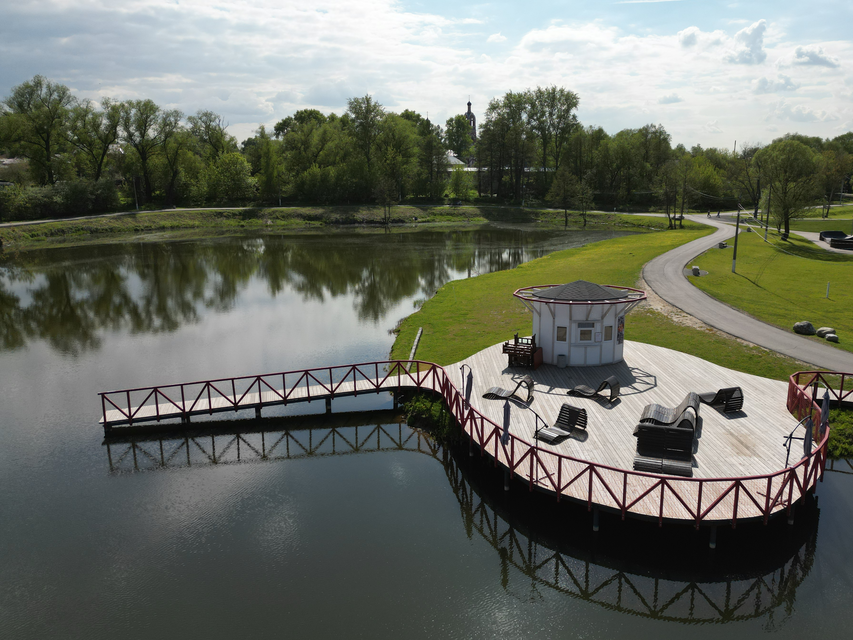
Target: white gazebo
580 323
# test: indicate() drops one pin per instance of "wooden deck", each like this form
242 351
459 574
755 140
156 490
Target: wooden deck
747 443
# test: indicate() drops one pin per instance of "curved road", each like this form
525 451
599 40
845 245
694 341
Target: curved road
665 275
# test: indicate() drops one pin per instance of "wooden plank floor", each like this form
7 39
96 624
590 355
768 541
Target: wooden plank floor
748 443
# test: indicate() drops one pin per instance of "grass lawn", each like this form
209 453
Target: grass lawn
817 225
467 316
845 211
783 283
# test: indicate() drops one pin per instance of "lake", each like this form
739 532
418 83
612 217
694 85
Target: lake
349 525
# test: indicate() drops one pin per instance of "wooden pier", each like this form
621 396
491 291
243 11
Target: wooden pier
739 464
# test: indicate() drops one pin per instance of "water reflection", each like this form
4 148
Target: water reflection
663 574
70 296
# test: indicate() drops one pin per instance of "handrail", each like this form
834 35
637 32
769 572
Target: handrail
627 491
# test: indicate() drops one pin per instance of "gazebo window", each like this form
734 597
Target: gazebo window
608 333
561 334
585 331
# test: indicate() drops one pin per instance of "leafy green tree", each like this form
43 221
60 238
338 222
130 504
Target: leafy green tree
270 176
210 130
34 122
140 125
552 119
743 174
177 143
366 115
230 179
431 172
562 192
457 136
833 167
298 119
396 151
460 183
790 168
93 132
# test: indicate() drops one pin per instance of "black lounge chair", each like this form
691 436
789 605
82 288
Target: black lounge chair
665 441
589 392
730 398
660 415
570 418
498 393
663 466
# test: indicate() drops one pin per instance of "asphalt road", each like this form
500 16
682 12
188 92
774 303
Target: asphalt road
665 275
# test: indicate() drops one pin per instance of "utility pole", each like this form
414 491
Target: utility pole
767 223
737 233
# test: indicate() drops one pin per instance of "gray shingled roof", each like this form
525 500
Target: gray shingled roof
580 290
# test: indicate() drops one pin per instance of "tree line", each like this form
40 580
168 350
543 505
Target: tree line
82 157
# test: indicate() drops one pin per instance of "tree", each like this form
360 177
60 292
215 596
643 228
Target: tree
269 176
209 128
833 168
457 136
366 114
300 118
94 132
460 183
176 141
743 173
35 120
140 124
562 192
551 117
790 169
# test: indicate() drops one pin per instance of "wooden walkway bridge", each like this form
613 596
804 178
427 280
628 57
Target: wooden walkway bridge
583 475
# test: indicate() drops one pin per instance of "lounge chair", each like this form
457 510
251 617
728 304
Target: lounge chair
665 441
498 393
660 415
570 418
663 466
589 392
731 399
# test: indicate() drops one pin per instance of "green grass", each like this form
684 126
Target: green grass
817 225
840 433
467 316
845 211
299 218
783 282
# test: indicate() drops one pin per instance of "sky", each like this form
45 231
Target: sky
712 73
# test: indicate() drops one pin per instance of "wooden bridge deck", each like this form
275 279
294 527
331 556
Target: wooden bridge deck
747 443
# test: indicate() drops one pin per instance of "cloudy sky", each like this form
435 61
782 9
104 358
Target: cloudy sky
710 72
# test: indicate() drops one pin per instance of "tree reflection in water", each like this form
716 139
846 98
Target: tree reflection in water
630 567
69 296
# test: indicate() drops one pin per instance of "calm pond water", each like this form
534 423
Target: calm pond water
354 525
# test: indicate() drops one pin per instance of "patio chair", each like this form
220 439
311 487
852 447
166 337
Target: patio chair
499 393
730 398
570 418
660 415
663 466
589 392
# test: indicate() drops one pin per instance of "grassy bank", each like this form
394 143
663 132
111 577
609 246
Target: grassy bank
467 316
299 218
817 225
783 283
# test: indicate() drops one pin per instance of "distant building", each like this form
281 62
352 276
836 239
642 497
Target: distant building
472 122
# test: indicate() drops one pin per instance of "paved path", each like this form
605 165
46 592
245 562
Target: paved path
665 275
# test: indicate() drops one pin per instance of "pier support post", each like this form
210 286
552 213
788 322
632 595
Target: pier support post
506 479
396 403
712 541
185 418
471 446
791 514
328 405
257 413
595 518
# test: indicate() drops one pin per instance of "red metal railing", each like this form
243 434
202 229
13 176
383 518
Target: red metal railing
700 500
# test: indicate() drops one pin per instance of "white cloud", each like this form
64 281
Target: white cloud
749 43
689 36
669 99
801 113
713 127
814 56
496 37
782 83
